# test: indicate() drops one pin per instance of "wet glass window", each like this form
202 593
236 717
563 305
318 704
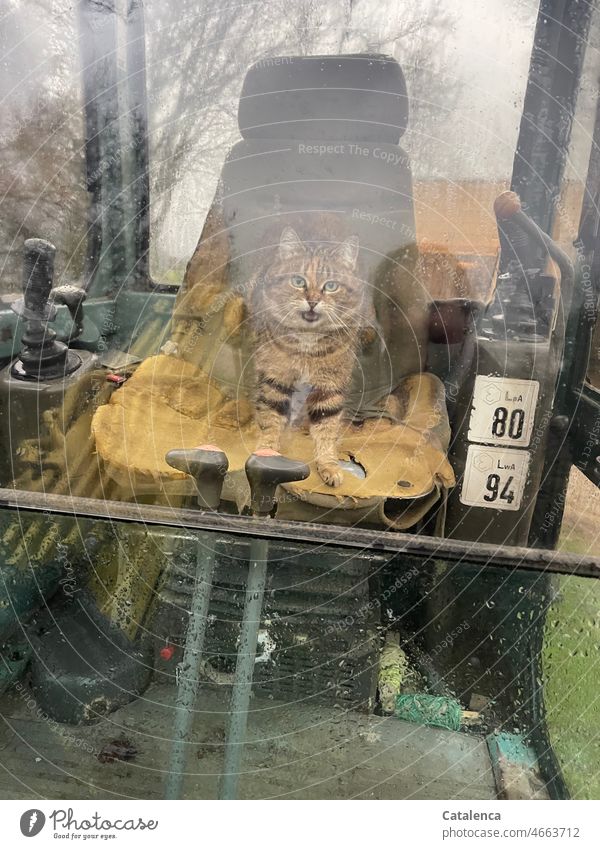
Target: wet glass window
293 230
374 676
41 139
460 139
299 425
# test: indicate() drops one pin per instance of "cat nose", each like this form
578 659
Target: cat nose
311 303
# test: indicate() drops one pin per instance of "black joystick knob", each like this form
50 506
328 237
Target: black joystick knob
208 466
265 470
38 273
73 298
42 356
519 252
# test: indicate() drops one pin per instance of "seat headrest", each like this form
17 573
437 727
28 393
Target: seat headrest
353 97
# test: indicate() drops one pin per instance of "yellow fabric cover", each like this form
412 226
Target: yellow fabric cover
170 403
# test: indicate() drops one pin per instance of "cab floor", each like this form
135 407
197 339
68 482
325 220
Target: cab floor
295 751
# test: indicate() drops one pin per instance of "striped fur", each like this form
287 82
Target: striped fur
307 309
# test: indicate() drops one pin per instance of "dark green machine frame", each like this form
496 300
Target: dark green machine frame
556 64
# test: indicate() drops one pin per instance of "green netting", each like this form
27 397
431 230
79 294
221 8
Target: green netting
425 709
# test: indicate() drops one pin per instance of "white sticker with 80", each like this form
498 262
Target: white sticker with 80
494 477
503 410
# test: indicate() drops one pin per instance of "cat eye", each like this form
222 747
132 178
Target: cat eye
298 282
331 286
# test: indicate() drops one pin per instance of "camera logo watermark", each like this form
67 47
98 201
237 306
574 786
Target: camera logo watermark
32 822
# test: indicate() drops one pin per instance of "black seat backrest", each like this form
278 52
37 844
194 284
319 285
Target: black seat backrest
320 152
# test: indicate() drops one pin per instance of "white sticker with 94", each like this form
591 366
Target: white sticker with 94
494 477
503 410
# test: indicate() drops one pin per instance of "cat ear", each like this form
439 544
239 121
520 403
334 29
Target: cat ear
290 244
347 251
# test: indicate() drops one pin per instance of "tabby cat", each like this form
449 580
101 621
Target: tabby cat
307 309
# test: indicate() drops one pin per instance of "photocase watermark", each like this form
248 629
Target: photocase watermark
448 639
274 61
592 442
32 822
65 819
392 156
374 218
556 511
540 430
87 828
69 581
108 328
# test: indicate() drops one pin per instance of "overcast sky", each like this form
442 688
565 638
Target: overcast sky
477 63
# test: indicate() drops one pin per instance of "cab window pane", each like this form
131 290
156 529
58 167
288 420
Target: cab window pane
470 646
465 86
579 533
42 192
575 195
317 177
308 418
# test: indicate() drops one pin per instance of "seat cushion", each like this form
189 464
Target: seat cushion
170 403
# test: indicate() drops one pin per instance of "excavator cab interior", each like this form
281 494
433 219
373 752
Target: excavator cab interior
188 612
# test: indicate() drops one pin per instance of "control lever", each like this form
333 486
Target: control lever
519 252
523 304
42 356
507 207
72 297
265 471
208 466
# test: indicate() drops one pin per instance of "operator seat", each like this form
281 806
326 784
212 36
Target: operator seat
320 153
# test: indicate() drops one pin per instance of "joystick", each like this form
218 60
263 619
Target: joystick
42 356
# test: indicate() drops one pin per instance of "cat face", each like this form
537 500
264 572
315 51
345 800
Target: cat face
312 288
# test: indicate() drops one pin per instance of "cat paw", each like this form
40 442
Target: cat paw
330 473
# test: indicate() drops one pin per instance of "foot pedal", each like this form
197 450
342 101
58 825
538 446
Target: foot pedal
84 667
